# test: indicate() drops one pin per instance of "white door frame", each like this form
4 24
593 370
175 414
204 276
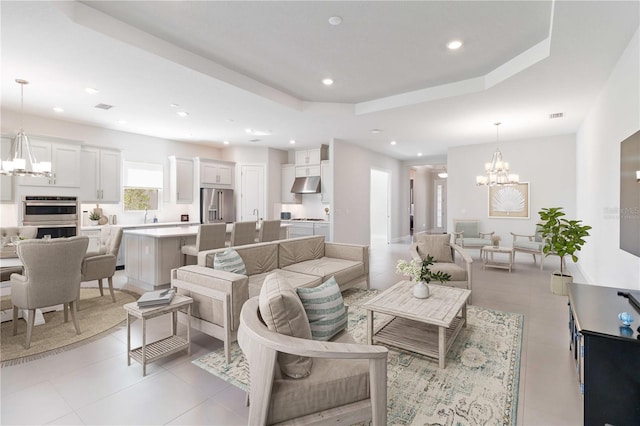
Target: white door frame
387 201
242 192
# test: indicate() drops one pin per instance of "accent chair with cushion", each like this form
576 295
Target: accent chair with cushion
531 244
440 247
210 236
468 235
101 264
51 277
297 380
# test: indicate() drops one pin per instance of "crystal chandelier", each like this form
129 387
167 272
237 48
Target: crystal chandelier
497 171
21 161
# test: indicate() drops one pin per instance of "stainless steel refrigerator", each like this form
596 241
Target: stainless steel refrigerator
216 205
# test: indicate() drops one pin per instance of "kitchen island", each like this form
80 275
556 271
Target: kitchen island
151 253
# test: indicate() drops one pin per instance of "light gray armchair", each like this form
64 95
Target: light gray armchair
102 264
468 235
51 277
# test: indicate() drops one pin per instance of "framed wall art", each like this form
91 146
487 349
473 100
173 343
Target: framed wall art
509 201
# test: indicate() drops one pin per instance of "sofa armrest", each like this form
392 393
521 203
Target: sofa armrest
463 254
204 254
530 237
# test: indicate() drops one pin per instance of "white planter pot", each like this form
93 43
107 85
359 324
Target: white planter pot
559 283
93 222
421 290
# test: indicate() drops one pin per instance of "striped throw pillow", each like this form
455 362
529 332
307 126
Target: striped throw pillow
229 261
325 309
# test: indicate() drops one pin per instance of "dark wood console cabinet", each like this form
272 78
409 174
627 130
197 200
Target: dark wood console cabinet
607 354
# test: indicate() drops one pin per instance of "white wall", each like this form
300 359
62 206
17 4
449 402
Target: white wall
612 118
548 164
351 192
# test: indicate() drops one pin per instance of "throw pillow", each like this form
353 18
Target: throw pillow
229 261
436 246
325 309
282 312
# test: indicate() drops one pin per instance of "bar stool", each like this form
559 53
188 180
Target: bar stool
243 233
210 236
269 231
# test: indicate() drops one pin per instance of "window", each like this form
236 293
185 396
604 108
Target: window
142 185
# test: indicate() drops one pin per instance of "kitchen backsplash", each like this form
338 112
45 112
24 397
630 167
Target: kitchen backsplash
311 207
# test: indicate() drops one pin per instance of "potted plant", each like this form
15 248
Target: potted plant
94 218
421 273
562 237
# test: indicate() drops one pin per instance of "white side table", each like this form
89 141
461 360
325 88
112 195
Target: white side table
487 253
150 352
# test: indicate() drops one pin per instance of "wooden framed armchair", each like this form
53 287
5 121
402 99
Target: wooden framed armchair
468 235
530 244
347 383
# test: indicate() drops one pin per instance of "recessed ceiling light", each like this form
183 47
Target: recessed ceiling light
419 154
335 20
182 113
226 142
292 142
327 81
256 132
91 90
454 44
58 109
174 105
121 121
376 131
393 142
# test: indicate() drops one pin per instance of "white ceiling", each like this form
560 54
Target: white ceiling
236 65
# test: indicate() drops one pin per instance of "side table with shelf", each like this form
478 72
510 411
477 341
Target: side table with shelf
487 253
150 352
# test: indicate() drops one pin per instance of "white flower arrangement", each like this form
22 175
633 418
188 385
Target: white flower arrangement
418 270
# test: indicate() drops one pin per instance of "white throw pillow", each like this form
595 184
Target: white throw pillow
325 309
229 261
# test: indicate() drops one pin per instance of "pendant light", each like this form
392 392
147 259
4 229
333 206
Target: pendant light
21 161
497 170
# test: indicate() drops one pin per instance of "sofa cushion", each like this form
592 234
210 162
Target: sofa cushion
282 312
259 258
476 242
325 309
298 250
436 246
229 261
342 270
457 272
294 279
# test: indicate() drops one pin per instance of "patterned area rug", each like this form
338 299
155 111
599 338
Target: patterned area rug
479 385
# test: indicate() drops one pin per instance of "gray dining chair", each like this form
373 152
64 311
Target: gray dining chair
210 236
51 277
243 233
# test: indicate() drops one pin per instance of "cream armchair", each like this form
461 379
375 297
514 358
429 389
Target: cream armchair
531 244
444 253
329 394
468 235
51 277
102 264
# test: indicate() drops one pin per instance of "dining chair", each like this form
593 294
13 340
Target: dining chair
243 233
51 277
210 236
102 263
269 231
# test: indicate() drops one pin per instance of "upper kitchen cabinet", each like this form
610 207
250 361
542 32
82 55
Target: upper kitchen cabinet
311 156
100 171
287 178
6 182
326 181
181 179
215 174
64 159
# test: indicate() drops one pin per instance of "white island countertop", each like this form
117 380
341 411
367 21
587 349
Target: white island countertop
178 231
138 225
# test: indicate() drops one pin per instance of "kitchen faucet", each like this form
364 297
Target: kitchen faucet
257 213
145 215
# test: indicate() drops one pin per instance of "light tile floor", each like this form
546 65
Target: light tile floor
92 384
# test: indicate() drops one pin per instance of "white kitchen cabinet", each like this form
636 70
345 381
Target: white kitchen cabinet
287 178
311 156
64 159
306 171
300 229
326 181
216 174
100 171
6 182
322 229
181 179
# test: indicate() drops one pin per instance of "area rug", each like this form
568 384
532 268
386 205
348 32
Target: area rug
97 315
479 385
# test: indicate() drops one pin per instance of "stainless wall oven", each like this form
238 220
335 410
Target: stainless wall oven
53 215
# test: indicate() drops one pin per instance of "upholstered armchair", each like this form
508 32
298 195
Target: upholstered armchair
468 235
347 382
51 277
22 232
530 244
443 251
102 264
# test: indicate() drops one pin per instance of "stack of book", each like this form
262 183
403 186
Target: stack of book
156 298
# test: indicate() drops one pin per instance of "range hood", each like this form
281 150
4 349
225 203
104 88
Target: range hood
306 185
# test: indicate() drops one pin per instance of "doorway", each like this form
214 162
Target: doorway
252 192
379 207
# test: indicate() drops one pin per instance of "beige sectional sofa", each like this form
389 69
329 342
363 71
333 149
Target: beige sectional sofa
305 261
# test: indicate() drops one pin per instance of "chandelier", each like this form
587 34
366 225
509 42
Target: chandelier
21 161
497 171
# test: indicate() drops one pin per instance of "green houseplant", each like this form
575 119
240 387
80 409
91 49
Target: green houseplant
563 237
94 218
420 272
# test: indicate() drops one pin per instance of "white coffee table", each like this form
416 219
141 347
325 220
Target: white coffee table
487 253
425 326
